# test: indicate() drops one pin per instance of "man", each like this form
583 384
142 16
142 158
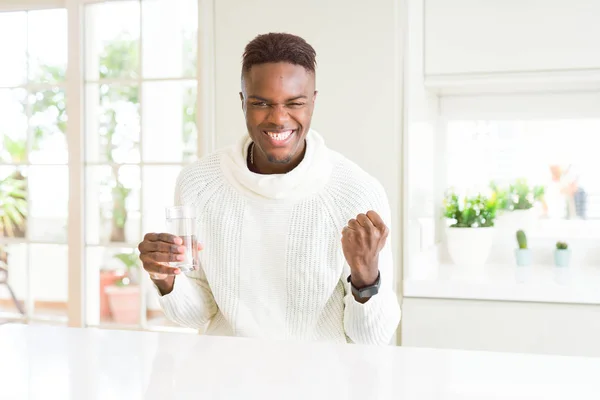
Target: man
295 236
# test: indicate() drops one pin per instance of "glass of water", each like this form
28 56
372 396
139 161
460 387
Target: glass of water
181 221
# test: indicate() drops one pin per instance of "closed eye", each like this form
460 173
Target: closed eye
259 104
295 105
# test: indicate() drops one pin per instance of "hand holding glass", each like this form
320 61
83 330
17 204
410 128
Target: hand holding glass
181 221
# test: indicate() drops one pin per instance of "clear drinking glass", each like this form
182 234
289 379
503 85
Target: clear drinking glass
181 221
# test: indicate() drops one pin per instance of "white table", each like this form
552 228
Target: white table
42 362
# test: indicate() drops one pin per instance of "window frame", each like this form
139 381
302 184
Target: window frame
74 86
539 105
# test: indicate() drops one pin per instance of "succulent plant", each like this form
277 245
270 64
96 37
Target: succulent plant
521 239
561 246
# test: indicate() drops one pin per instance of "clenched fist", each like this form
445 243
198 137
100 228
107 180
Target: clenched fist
362 240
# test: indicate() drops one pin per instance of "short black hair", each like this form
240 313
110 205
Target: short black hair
279 47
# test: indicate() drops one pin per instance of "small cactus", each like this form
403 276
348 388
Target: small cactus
561 246
521 239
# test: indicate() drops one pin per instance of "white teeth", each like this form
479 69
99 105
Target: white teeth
280 136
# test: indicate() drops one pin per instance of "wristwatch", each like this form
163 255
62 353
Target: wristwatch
367 291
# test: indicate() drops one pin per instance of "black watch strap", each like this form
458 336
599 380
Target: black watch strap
367 291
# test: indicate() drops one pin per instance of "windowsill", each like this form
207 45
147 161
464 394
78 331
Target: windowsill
506 282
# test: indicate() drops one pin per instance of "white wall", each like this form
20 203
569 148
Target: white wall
491 36
522 106
358 46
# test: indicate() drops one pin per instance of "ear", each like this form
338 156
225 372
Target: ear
242 101
315 95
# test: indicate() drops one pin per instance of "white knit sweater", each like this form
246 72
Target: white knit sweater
272 264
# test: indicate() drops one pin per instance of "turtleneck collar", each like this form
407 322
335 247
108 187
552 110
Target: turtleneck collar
311 174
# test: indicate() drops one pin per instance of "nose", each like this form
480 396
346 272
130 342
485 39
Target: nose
278 115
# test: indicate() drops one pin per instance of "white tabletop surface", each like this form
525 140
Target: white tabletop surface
42 362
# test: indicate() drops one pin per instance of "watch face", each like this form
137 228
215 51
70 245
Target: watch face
368 291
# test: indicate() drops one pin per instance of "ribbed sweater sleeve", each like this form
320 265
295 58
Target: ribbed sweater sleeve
375 321
191 302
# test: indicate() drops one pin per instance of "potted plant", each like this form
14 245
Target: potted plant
522 196
522 253
13 205
108 277
124 295
471 228
516 204
502 197
562 254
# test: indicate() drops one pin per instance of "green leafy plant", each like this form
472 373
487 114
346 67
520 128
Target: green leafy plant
119 56
119 212
521 239
470 212
517 196
502 196
131 263
13 205
17 150
561 246
522 196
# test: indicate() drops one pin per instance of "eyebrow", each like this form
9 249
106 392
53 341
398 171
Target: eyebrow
302 97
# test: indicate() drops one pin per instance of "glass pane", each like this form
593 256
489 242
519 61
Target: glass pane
159 186
113 204
113 285
169 121
47 33
49 280
544 175
13 125
169 32
48 126
112 123
13 67
521 156
112 40
13 269
13 202
49 194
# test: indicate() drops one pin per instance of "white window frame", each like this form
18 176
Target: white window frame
26 6
74 91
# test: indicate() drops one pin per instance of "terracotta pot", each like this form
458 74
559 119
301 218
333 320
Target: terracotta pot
107 278
124 302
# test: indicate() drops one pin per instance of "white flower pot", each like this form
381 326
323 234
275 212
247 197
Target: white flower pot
469 246
517 219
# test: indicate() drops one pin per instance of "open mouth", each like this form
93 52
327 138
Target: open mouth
279 137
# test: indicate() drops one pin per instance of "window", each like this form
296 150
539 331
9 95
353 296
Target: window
34 187
140 128
558 156
550 158
138 86
541 152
